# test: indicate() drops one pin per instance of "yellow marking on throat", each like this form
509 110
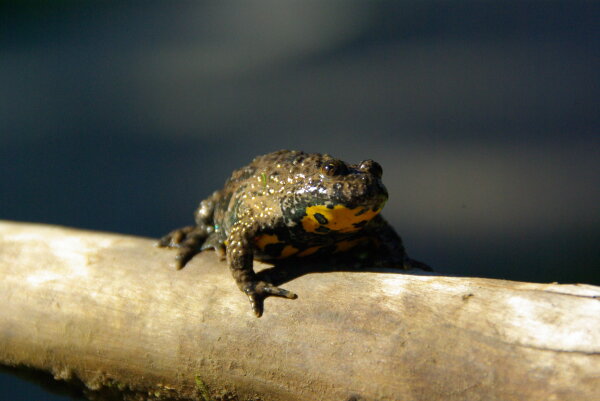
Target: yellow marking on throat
339 218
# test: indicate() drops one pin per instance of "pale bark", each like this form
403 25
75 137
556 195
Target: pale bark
108 310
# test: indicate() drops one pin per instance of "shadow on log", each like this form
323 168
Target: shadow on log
108 312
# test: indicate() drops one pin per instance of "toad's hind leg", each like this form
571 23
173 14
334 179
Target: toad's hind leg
191 240
188 241
415 264
391 250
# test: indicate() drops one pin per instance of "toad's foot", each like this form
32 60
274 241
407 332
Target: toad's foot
257 291
188 241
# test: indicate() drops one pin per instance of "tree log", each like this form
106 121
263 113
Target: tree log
107 311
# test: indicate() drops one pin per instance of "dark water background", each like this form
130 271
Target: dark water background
122 116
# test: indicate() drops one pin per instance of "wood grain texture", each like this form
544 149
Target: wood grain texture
108 310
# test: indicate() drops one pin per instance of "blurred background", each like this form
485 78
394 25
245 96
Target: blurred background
121 116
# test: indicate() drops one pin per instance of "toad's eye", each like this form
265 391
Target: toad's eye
371 167
334 167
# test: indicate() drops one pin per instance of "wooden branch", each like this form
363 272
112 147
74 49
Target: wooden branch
107 310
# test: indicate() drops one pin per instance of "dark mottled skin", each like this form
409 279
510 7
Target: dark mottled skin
291 204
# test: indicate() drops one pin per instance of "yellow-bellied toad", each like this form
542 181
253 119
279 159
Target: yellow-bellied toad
291 204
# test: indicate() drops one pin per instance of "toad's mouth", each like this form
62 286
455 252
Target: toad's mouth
322 219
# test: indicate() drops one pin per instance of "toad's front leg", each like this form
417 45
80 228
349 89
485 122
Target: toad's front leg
240 256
